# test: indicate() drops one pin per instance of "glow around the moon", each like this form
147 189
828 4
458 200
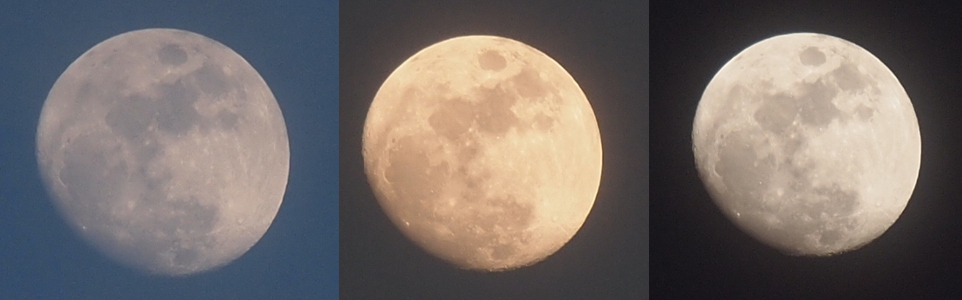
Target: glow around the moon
483 151
808 143
164 149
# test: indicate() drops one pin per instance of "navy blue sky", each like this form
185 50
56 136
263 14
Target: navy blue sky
292 44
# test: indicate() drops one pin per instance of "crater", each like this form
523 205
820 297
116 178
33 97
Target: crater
491 60
172 54
811 56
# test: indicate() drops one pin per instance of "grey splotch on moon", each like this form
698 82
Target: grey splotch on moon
808 143
165 150
483 151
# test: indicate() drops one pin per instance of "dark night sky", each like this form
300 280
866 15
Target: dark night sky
604 47
292 45
698 253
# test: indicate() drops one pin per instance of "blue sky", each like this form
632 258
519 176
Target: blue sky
293 45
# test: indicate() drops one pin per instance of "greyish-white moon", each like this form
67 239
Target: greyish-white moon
165 150
808 143
483 151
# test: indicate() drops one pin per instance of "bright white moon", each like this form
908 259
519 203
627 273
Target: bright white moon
165 150
483 151
808 143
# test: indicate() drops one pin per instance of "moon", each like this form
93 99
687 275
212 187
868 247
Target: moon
484 152
165 150
808 143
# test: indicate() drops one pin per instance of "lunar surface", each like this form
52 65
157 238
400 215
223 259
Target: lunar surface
808 143
483 151
165 150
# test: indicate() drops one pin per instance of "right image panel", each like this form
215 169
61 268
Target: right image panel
493 150
805 150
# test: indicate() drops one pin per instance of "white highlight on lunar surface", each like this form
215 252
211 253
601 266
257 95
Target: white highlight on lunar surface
808 143
483 151
165 150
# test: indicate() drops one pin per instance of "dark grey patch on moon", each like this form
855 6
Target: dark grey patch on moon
412 177
491 60
88 173
452 118
812 57
777 113
543 122
529 84
211 80
494 111
227 120
849 78
131 117
175 108
816 106
864 112
172 54
173 112
146 150
743 172
491 113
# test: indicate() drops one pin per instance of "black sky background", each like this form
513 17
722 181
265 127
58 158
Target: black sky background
604 47
698 253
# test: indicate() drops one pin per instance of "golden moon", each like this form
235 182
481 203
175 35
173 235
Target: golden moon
483 151
808 143
165 150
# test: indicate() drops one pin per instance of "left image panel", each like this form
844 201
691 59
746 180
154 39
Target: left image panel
169 150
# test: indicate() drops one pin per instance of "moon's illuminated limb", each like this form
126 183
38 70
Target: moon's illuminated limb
483 151
808 143
164 149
